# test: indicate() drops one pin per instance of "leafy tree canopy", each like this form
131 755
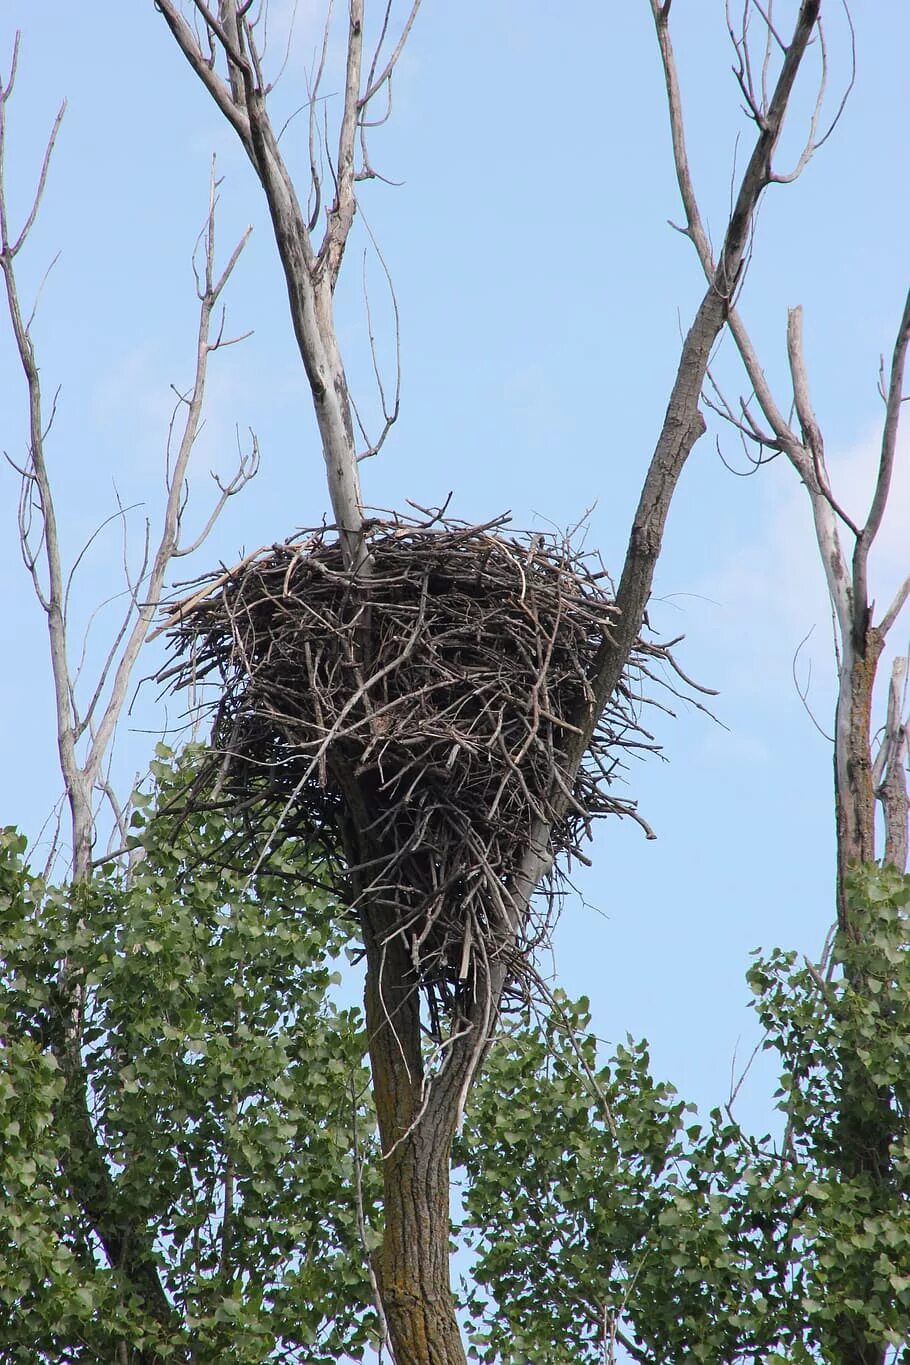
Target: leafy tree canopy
231 1146
221 1080
601 1212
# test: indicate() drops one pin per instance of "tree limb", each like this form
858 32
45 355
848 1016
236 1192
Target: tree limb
169 538
825 511
309 277
813 441
885 468
341 214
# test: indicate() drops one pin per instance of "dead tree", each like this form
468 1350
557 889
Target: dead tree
418 1098
868 768
310 271
88 711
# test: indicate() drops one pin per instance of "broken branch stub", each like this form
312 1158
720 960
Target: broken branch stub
424 714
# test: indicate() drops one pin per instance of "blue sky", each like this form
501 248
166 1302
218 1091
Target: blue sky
542 295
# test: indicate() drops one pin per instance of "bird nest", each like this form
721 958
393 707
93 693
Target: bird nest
426 711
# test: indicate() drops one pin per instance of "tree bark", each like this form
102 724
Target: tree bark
866 1120
890 771
416 1129
419 1099
854 789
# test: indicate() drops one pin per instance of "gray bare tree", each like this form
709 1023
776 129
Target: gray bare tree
88 709
869 760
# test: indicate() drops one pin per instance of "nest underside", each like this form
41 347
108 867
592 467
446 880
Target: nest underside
427 710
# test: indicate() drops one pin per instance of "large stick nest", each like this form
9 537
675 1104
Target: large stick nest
425 709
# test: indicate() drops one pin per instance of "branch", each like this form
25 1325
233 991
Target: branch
896 607
309 278
247 469
168 542
885 469
341 214
683 423
835 564
81 776
389 414
39 192
126 1243
694 229
890 769
803 692
812 436
36 484
810 144
374 82
313 84
220 93
132 595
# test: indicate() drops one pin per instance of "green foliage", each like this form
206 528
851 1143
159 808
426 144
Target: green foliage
601 1213
844 1045
178 1086
222 1082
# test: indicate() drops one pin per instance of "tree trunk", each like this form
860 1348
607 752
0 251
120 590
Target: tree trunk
853 782
417 1115
866 1118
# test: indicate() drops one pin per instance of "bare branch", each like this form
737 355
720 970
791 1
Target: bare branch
204 69
850 83
132 595
683 424
824 513
83 775
745 424
772 33
119 812
890 769
247 468
784 437
694 228
781 178
897 698
341 214
895 609
7 90
168 541
313 85
119 515
885 465
287 47
812 436
38 292
226 275
390 415
37 495
310 277
42 181
374 82
803 691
